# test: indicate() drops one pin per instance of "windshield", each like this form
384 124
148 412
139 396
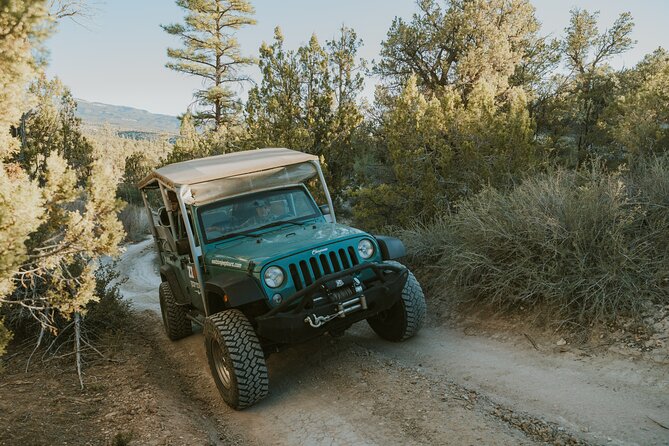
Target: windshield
242 214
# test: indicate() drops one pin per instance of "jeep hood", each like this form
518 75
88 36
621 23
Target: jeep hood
276 244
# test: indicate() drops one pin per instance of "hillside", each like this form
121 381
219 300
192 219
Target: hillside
128 119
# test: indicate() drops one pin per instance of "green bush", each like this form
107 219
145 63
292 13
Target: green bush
576 247
111 312
135 222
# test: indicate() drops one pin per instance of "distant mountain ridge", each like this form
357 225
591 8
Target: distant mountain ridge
128 119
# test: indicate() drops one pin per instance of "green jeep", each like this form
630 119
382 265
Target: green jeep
246 253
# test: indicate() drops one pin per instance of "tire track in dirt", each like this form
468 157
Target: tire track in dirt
332 391
359 389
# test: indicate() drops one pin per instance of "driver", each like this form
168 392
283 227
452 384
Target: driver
261 213
263 210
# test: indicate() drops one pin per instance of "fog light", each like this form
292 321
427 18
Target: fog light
277 299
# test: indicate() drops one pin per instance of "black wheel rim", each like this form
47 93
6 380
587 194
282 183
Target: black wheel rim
222 364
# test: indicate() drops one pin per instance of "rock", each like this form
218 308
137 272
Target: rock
561 342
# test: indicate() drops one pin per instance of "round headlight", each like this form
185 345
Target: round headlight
365 249
274 277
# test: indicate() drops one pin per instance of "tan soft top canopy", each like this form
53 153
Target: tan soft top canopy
225 166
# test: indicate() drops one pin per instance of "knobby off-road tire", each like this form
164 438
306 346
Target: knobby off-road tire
176 323
405 317
236 358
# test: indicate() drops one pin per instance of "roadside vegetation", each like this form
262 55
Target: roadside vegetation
566 248
522 170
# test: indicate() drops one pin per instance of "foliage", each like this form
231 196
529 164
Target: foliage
459 44
212 53
442 149
23 24
638 119
576 246
5 337
570 119
131 159
307 100
135 222
110 312
52 126
77 226
57 216
190 144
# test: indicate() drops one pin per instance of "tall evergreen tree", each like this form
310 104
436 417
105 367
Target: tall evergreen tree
274 108
211 52
307 99
347 84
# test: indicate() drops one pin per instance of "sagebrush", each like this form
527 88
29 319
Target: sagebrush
574 246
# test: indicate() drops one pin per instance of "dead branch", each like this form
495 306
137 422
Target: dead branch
534 344
77 346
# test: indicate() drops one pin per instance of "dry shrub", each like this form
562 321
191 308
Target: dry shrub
135 222
575 247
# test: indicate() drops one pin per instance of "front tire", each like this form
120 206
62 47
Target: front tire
177 325
404 319
236 358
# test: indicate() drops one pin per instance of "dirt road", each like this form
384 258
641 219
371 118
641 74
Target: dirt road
442 387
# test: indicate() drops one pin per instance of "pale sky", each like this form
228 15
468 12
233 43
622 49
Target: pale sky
118 57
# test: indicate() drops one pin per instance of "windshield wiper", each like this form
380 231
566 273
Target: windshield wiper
240 234
277 223
250 232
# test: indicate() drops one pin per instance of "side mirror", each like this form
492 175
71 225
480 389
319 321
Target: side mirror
325 209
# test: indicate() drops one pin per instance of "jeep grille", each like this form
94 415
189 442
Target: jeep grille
305 272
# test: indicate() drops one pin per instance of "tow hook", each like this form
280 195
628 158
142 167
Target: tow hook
318 321
359 303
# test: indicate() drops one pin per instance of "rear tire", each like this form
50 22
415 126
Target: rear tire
405 317
177 325
236 358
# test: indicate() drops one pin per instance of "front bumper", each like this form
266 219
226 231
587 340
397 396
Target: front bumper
325 300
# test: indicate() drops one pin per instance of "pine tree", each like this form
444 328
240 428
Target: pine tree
347 84
307 99
189 144
211 52
274 108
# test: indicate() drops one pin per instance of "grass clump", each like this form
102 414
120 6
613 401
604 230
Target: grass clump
576 247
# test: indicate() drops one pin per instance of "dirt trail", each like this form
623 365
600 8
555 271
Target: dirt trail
443 387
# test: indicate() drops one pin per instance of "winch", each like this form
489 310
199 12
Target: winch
346 289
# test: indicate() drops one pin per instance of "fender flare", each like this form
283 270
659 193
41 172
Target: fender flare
236 289
391 248
167 272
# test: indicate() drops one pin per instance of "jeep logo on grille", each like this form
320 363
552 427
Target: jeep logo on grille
318 251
